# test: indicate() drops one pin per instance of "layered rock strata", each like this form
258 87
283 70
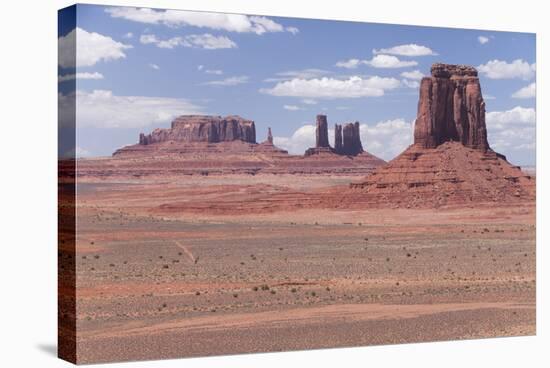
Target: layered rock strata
203 128
451 108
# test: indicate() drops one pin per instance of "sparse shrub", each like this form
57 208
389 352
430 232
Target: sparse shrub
255 288
265 287
198 293
165 266
313 293
293 290
272 291
235 295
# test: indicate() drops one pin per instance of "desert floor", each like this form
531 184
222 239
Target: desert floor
191 266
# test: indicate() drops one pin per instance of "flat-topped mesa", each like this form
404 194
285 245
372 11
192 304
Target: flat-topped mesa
203 128
451 108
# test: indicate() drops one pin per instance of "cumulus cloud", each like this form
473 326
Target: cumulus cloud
385 139
230 81
513 130
309 101
349 64
91 48
84 75
203 41
154 66
218 21
410 83
128 35
529 91
378 61
498 69
415 75
482 39
411 49
389 61
331 88
103 109
516 116
299 141
388 138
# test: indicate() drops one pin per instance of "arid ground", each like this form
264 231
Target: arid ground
202 265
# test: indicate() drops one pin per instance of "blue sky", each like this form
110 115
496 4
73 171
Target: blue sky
138 68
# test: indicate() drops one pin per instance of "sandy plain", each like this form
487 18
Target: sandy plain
204 265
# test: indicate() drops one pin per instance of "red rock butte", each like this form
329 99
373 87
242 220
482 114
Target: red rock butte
450 161
215 145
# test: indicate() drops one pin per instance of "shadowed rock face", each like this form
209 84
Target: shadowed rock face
203 128
321 132
338 138
347 140
451 108
351 139
269 136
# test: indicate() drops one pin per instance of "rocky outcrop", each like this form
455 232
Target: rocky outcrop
450 162
338 138
321 133
203 128
451 108
351 140
269 136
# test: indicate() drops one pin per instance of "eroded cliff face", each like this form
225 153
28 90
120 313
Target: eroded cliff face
451 108
203 128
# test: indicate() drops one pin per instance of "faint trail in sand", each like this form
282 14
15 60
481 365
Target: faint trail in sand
187 251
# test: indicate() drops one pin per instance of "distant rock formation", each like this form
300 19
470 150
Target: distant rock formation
338 138
321 138
203 128
349 140
269 136
451 108
321 133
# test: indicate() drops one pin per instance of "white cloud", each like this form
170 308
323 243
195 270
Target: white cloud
529 91
498 69
309 101
411 49
91 48
154 66
410 83
200 67
300 74
203 41
385 139
218 21
128 35
415 75
299 141
516 116
349 64
389 61
85 75
291 107
230 81
512 130
292 30
489 97
483 40
331 88
103 109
